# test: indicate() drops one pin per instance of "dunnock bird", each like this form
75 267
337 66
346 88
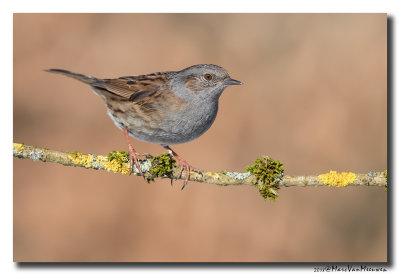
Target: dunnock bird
165 108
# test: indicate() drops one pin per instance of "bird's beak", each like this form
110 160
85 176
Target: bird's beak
230 81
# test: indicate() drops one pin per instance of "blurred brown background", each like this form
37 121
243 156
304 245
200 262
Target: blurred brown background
314 98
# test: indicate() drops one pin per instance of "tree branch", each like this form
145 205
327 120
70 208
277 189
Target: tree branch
118 163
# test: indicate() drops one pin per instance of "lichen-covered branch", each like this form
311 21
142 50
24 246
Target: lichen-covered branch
163 166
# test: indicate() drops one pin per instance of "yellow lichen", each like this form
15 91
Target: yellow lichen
18 147
81 159
115 166
339 180
91 161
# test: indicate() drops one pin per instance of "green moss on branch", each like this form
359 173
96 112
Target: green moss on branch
269 174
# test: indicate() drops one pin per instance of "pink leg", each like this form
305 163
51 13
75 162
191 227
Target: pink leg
183 164
132 155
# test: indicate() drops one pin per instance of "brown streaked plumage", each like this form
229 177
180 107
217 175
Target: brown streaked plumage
164 107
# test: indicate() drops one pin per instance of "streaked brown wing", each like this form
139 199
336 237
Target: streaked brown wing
133 88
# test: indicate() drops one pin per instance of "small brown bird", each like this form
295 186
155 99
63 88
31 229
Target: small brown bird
165 108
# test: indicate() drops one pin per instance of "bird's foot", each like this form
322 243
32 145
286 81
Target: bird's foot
134 161
183 165
133 156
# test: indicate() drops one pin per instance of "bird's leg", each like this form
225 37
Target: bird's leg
183 164
132 155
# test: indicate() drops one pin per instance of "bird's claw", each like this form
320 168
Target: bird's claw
183 165
133 160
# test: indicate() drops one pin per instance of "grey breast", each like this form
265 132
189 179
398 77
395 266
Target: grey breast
179 127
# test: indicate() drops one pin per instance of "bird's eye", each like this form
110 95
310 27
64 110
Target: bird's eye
208 77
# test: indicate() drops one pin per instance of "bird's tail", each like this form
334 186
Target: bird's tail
81 77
